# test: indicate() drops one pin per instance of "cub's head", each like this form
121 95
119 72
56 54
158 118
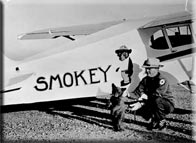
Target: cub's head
117 91
116 97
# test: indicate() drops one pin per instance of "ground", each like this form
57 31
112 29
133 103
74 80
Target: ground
89 121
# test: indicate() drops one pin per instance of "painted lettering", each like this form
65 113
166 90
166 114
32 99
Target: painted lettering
92 74
41 80
65 79
77 78
104 72
52 78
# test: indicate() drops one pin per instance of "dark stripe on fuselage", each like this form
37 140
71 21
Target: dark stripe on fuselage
177 54
10 90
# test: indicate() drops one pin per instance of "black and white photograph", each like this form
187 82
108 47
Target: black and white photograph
109 71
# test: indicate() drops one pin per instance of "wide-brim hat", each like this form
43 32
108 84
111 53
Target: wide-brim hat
123 48
152 63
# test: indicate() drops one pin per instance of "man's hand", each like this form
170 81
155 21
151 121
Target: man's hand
143 97
135 106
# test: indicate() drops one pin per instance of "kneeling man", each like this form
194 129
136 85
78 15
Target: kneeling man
155 96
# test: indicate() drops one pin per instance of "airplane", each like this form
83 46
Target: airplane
85 65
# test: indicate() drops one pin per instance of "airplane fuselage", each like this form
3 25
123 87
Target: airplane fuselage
88 68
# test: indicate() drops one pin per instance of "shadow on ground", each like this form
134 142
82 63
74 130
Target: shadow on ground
91 115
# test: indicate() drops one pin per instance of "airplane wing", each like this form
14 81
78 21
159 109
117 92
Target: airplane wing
170 19
67 32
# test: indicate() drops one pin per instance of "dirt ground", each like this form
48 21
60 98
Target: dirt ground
88 120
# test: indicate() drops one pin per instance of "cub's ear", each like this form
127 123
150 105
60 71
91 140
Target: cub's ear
113 86
123 89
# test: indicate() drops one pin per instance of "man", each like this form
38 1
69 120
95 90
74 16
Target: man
155 96
126 66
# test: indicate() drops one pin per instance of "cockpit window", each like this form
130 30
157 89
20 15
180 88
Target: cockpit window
158 41
178 36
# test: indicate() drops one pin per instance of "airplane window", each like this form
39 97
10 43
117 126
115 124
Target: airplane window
178 36
158 41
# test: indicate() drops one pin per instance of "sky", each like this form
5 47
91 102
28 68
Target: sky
23 16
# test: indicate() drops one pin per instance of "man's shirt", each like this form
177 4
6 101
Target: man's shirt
155 86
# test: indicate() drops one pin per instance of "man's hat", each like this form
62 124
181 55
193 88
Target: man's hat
123 48
152 63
